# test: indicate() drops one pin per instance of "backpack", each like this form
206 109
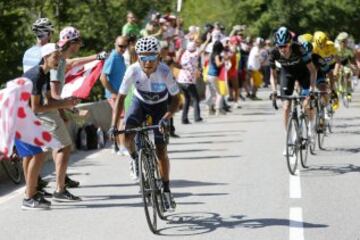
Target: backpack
87 138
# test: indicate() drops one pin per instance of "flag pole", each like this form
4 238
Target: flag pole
179 6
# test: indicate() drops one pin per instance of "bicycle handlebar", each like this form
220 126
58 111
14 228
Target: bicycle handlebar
136 129
291 97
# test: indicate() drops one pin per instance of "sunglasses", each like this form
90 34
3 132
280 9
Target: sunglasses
283 46
148 58
122 46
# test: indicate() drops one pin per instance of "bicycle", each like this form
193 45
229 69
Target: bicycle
12 166
149 175
343 87
297 134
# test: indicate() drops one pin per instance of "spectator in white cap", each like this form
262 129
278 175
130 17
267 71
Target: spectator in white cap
42 103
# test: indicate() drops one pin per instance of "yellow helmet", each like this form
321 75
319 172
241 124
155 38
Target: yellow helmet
306 37
320 39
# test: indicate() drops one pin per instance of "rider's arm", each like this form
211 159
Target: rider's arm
273 79
273 74
174 106
119 107
174 91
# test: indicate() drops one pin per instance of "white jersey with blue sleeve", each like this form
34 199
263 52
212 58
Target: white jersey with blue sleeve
31 57
150 90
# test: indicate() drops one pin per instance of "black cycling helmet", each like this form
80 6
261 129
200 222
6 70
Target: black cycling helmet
282 36
42 26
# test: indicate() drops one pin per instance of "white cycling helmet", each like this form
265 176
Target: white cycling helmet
147 44
68 34
42 27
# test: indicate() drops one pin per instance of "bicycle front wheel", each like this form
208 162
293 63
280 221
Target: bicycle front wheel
304 130
147 183
13 168
292 145
160 206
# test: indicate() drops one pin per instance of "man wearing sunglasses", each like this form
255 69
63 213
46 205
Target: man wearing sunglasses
296 65
153 82
111 78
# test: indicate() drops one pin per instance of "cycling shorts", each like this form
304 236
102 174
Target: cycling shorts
287 81
136 116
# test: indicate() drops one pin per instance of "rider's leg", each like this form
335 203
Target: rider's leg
130 143
286 111
164 164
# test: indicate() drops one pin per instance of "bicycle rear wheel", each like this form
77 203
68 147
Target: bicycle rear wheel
292 145
304 130
13 168
147 183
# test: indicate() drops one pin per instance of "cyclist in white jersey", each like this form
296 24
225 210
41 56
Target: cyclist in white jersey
153 82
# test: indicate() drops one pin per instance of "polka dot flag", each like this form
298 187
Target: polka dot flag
17 119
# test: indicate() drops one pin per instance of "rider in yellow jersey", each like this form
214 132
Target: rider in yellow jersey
326 49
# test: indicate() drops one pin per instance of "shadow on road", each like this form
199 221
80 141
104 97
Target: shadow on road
196 223
346 125
211 132
180 183
206 142
348 150
205 157
330 170
194 150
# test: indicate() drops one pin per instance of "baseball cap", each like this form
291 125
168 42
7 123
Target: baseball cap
48 49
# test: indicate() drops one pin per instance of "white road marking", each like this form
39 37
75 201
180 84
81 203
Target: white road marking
296 226
295 186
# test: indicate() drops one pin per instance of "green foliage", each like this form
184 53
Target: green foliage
100 21
264 16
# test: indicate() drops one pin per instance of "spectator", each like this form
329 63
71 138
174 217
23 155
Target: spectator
69 43
111 78
43 29
265 68
131 27
41 104
188 75
254 66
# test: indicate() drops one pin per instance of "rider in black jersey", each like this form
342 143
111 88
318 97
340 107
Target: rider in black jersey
295 64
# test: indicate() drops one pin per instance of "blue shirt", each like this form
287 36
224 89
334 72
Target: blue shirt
213 69
31 57
114 68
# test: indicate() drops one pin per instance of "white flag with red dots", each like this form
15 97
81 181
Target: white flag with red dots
17 119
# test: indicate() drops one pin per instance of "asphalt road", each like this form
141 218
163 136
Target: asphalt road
229 179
